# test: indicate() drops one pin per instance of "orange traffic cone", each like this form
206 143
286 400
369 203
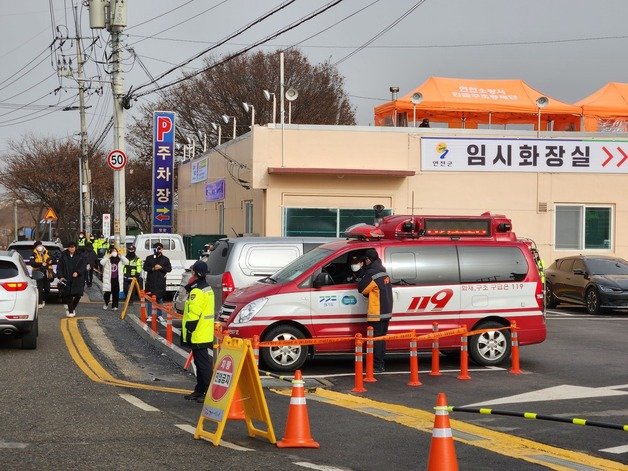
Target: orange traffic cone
442 452
298 424
236 411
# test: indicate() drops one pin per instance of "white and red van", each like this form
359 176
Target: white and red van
452 270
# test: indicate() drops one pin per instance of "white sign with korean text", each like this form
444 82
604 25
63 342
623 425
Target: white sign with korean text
106 225
199 170
454 154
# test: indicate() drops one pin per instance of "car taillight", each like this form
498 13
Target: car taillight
227 285
15 285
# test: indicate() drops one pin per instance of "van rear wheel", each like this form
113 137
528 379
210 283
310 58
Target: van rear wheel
490 348
285 358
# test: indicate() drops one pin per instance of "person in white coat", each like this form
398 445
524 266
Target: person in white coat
112 277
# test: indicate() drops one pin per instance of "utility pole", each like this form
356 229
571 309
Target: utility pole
112 15
85 179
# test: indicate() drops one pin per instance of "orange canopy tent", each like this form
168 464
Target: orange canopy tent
467 102
607 109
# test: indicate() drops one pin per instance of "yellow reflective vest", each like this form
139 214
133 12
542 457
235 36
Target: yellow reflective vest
197 330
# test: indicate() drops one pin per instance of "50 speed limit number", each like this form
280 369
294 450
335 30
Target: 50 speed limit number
116 160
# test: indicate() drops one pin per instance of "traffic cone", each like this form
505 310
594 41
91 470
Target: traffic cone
442 452
236 411
298 424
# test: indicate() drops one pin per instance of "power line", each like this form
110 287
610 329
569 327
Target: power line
231 36
382 32
399 46
25 66
161 15
184 21
246 49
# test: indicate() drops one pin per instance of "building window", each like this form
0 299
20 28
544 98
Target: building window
582 227
221 218
248 217
324 222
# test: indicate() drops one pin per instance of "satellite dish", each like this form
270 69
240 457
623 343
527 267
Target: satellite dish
291 94
542 101
267 95
417 98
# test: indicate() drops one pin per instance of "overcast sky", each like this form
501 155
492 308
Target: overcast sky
566 49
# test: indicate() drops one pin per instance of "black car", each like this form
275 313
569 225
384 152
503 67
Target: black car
596 282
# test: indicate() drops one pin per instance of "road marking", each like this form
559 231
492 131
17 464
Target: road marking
616 449
138 403
318 467
496 442
4 444
80 353
233 446
556 393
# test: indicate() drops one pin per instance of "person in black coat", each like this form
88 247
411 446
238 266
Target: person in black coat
156 266
71 274
91 259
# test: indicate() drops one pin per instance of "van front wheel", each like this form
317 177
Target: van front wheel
490 348
287 357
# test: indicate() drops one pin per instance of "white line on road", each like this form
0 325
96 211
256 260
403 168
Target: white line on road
233 446
138 403
616 450
318 467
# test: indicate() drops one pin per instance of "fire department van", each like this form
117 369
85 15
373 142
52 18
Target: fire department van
455 271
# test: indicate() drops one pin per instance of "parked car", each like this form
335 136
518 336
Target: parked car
594 281
25 249
236 262
18 300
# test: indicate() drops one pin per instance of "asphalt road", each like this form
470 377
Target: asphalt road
59 413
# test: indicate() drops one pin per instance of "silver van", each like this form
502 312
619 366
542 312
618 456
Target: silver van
236 262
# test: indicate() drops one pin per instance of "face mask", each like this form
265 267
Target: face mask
356 267
81 236
40 248
131 253
114 254
156 251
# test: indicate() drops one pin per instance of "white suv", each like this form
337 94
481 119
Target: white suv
18 300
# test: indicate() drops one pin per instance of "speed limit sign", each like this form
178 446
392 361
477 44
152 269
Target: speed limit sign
116 159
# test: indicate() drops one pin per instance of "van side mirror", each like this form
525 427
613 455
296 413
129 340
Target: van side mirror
322 279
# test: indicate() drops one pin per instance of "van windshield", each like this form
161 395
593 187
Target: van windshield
300 265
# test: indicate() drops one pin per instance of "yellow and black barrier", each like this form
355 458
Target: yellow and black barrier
533 415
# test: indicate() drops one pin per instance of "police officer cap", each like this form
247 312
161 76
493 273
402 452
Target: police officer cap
357 258
200 268
371 254
131 248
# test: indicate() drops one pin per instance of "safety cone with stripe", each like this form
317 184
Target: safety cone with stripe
442 452
236 411
298 424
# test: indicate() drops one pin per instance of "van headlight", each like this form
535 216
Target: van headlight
249 311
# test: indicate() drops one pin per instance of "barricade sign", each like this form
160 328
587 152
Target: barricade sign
235 369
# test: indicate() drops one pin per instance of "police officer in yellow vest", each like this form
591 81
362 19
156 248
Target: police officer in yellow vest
133 270
197 330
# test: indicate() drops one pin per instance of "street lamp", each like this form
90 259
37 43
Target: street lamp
291 95
541 102
225 118
267 95
217 127
416 99
250 108
393 92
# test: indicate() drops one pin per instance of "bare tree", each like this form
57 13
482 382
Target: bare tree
220 90
44 172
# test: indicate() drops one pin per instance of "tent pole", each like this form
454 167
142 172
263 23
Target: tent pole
490 115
